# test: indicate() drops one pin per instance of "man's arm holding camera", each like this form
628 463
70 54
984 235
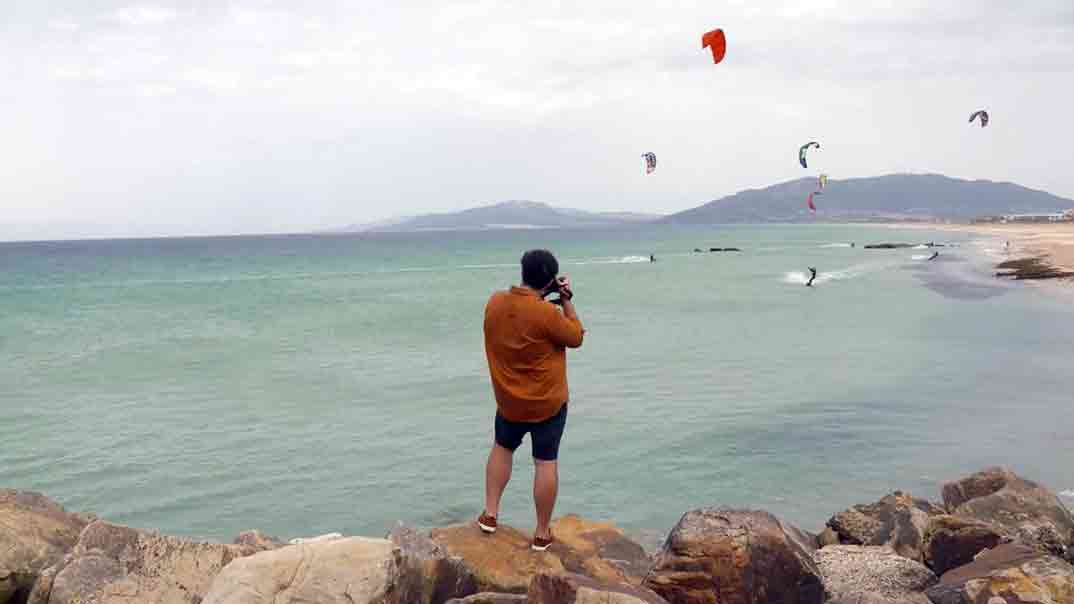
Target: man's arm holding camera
565 328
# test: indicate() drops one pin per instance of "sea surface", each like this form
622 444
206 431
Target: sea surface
311 384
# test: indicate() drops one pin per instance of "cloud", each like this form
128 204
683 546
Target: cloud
143 15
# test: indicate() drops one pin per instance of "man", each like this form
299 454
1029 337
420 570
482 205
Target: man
525 341
812 276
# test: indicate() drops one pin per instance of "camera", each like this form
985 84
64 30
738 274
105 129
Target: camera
560 286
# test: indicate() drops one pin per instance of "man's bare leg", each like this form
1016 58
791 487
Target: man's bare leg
497 474
545 488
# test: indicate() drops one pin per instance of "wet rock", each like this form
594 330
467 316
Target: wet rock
898 520
572 588
951 541
1011 573
736 557
503 562
875 574
35 534
114 564
1021 509
443 577
352 570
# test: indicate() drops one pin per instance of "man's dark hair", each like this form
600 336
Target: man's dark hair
539 267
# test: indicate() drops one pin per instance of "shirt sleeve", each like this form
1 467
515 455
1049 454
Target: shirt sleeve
563 331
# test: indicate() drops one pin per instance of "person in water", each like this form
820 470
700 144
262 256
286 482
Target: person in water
812 276
526 342
934 256
652 258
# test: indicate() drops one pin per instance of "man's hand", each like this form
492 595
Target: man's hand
565 287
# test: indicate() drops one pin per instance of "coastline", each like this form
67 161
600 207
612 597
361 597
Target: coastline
1037 252
991 527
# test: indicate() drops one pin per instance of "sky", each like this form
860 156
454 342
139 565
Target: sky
247 116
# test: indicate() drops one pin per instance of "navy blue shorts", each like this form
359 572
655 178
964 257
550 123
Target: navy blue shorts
544 435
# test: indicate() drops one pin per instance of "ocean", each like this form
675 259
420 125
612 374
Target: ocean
337 383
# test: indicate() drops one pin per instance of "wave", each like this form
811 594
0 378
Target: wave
920 257
1069 493
853 272
836 245
920 246
620 260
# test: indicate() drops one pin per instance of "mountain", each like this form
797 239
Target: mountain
890 197
508 215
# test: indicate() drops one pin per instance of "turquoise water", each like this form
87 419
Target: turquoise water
304 385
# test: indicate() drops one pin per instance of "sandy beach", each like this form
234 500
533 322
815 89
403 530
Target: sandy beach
1053 243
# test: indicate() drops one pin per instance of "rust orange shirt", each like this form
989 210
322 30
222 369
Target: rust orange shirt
526 341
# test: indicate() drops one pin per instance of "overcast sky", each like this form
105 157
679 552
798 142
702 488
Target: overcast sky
255 116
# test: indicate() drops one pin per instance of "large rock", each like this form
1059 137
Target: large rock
114 564
503 562
873 574
443 577
354 570
726 556
951 541
1011 573
35 533
570 588
898 521
1022 509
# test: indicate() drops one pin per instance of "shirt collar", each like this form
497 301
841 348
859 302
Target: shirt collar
524 291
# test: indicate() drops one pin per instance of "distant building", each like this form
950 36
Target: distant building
1067 216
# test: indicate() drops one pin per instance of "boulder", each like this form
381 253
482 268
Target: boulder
572 588
113 564
35 533
875 574
828 537
951 541
1011 573
490 598
353 570
898 521
728 556
1022 509
443 577
600 550
503 562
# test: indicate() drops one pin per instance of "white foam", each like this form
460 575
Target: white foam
1069 493
920 257
921 246
836 245
620 260
853 272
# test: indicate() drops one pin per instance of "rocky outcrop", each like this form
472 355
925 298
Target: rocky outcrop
1011 573
572 588
443 577
114 564
951 541
1021 509
503 562
353 570
898 520
726 556
875 574
35 534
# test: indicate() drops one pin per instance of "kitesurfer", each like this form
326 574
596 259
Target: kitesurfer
812 276
652 258
934 256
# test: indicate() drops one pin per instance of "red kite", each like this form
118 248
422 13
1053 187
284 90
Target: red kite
717 42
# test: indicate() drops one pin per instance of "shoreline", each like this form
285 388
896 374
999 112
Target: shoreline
1037 252
992 524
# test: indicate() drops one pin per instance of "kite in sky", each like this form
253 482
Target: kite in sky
802 152
717 42
984 117
650 162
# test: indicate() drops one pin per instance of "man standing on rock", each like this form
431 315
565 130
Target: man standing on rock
526 341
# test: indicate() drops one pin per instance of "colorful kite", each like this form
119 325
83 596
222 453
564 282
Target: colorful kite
802 152
650 162
717 42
